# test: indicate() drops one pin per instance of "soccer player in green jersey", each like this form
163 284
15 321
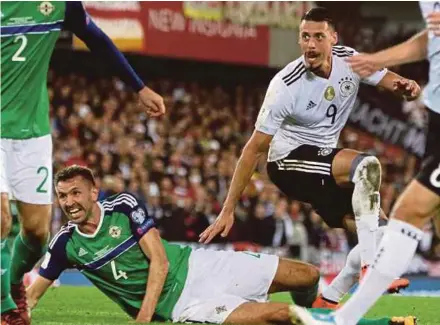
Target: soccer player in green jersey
29 31
115 244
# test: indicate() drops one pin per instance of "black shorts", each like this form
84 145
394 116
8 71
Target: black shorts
305 175
429 174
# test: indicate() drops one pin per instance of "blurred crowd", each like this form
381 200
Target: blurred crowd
182 164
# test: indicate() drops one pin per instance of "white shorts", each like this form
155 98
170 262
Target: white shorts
26 169
220 281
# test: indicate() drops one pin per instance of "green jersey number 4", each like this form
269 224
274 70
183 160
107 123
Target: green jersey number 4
117 274
17 56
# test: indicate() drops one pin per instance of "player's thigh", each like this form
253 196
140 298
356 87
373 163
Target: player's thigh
416 204
31 171
293 275
259 313
6 217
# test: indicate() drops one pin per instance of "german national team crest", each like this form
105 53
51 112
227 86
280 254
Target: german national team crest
329 93
46 8
324 151
138 216
347 87
115 231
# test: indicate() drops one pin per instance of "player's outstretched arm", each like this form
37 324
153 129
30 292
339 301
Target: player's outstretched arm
152 247
406 88
409 51
257 146
37 290
80 23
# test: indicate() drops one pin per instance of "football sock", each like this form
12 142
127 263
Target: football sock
346 278
6 303
305 297
25 254
349 275
393 257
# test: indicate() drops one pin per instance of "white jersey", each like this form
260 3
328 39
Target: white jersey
303 108
431 93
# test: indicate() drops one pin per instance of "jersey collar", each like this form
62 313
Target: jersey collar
101 218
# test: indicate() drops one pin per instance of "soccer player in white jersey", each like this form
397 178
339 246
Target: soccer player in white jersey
306 106
420 201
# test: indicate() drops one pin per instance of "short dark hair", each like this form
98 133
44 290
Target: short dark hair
319 14
73 171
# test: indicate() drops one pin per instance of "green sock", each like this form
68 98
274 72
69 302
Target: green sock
305 297
24 256
363 321
7 302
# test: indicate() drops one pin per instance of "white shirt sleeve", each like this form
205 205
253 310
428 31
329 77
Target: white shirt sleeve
275 107
376 77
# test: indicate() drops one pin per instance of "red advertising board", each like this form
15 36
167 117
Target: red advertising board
161 29
169 33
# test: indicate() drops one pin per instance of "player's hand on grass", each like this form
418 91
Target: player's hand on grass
151 102
408 89
434 23
364 64
222 224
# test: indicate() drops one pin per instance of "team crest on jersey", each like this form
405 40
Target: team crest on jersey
115 231
138 216
324 151
46 8
329 93
347 87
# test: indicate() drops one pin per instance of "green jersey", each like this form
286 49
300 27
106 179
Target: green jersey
29 31
112 259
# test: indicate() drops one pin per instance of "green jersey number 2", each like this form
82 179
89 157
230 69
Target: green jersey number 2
17 56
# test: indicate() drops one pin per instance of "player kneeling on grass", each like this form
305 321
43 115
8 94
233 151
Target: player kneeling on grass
116 246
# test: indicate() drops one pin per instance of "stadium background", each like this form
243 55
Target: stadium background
212 63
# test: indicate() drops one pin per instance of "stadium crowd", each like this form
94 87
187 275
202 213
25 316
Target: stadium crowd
182 164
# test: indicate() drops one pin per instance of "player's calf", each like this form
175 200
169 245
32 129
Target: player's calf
416 205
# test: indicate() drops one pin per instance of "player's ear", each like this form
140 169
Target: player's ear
334 37
95 193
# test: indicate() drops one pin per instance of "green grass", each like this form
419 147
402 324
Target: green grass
86 305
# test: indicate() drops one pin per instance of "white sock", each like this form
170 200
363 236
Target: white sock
349 275
366 205
394 254
346 278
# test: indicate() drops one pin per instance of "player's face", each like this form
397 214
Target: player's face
316 40
77 197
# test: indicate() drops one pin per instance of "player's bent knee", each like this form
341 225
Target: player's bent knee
35 219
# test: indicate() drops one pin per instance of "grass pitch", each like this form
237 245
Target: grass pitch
68 305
